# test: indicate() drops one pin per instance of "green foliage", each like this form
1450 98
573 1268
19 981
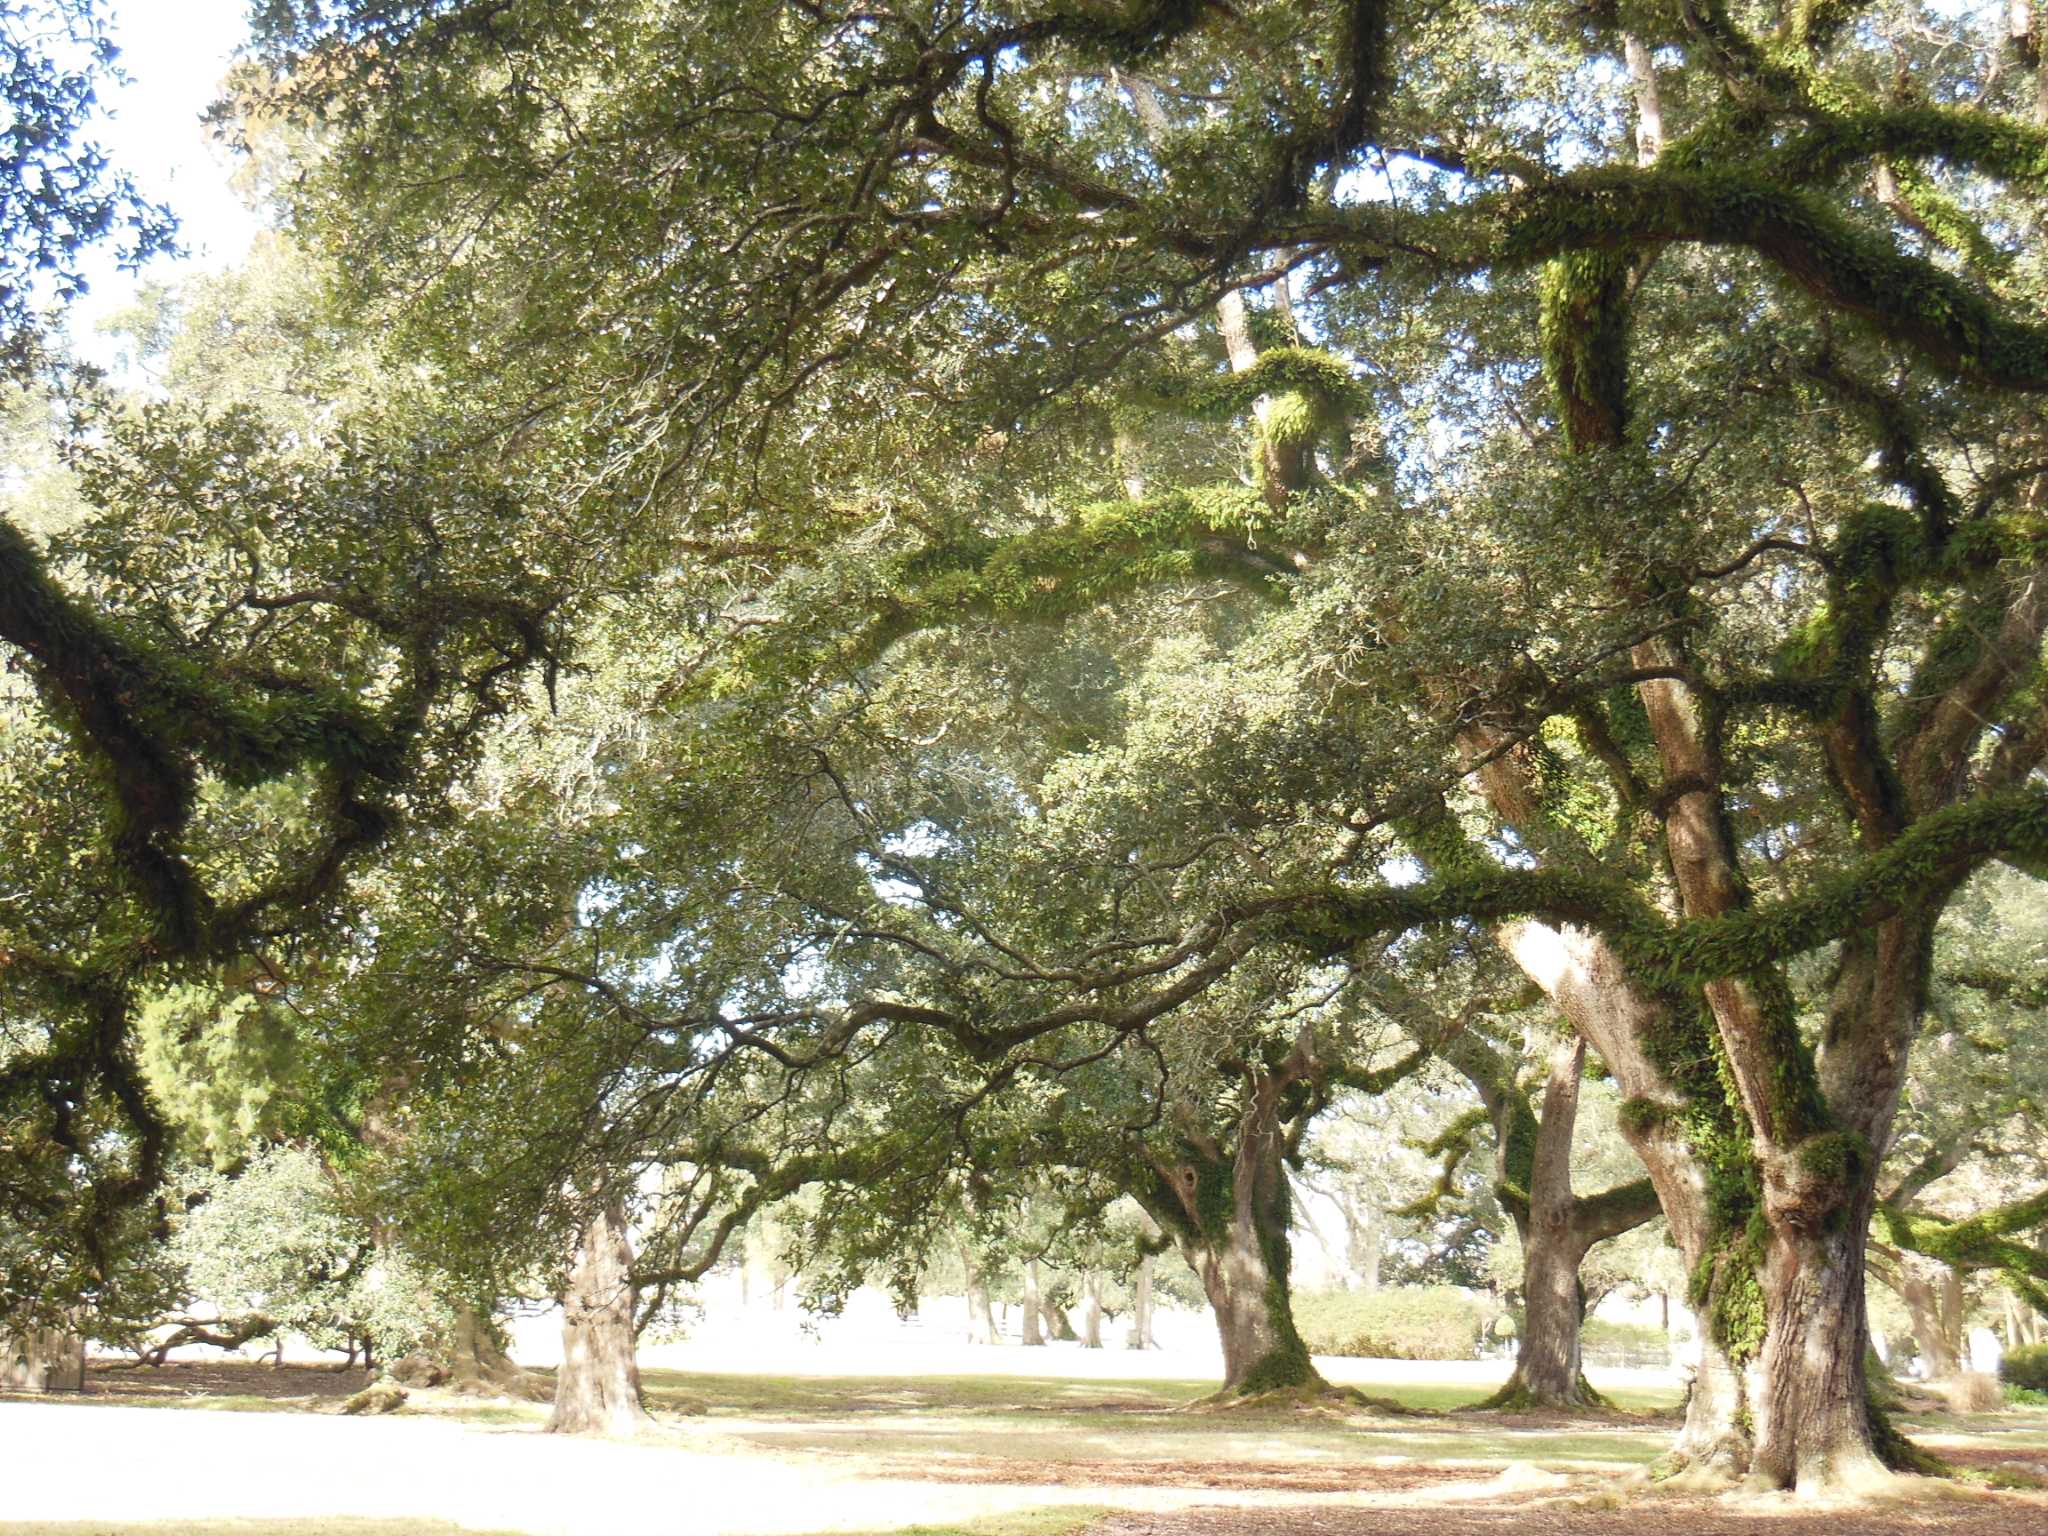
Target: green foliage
59 193
1409 1322
275 1240
2025 1368
215 1063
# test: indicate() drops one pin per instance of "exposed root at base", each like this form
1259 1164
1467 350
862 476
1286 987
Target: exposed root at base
1313 1397
1696 1474
1517 1398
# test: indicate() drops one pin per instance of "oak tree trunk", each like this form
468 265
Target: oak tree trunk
981 1317
1548 1370
1940 1350
1808 1395
478 1364
42 1360
1034 1326
597 1390
1091 1316
1229 1214
1141 1307
1591 986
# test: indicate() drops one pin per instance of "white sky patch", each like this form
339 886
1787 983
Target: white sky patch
176 53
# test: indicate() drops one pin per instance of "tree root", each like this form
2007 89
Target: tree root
1515 1397
1308 1397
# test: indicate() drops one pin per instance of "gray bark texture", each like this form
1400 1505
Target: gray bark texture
597 1390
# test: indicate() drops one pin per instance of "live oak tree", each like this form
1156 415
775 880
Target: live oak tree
240 662
1961 1194
1707 612
1532 1119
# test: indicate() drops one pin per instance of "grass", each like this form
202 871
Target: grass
1059 1421
757 1397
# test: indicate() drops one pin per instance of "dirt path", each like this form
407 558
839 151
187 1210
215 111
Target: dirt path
176 1465
2004 1515
119 1462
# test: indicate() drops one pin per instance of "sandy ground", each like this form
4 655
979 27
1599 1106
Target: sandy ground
101 1462
72 1462
105 1461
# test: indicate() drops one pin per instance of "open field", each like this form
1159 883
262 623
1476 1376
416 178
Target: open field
991 1454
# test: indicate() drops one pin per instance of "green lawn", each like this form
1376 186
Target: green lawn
1058 1421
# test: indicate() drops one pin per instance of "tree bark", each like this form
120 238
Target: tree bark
42 1360
597 1390
1937 1335
1141 1307
981 1318
1091 1316
1034 1325
1228 1212
1547 1358
1557 1229
1809 1396
478 1364
1579 971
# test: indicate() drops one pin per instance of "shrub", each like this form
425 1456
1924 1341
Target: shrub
2026 1367
1972 1392
1406 1322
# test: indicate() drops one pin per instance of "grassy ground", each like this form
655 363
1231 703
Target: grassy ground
1006 1455
1040 1423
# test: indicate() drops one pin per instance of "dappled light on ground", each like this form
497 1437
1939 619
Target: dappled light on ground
983 1455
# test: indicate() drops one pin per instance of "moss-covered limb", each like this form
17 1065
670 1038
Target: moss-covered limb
2002 986
1615 1211
1985 1241
1985 655
153 718
1903 458
1816 23
1913 196
1450 1147
2002 147
1922 865
1585 318
1907 298
1377 1080
1305 371
1101 551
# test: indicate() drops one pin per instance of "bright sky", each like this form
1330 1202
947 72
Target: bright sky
175 52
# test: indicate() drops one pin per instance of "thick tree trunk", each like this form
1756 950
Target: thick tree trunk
1229 1214
1141 1307
1034 1325
1091 1315
597 1390
981 1317
478 1364
42 1360
1923 1291
1808 1397
1580 972
1548 1369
